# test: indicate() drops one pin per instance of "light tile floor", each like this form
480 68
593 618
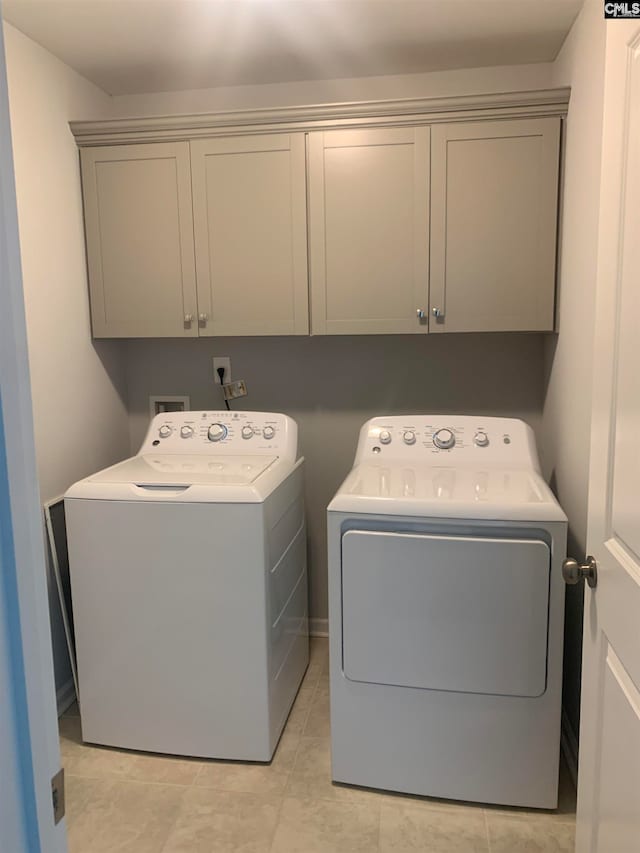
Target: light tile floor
138 803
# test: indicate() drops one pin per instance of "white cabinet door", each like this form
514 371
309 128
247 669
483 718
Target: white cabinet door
369 230
139 232
494 200
249 205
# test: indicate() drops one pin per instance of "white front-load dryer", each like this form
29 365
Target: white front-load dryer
189 587
446 613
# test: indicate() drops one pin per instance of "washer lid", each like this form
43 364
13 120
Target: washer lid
447 492
181 470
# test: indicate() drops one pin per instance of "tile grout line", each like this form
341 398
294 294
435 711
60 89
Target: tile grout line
297 749
175 822
486 830
277 823
300 736
197 776
106 777
285 790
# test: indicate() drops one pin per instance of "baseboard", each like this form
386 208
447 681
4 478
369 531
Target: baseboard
569 745
319 627
65 696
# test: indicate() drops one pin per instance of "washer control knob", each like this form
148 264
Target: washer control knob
165 431
247 432
217 432
384 437
268 432
444 439
481 439
186 431
409 437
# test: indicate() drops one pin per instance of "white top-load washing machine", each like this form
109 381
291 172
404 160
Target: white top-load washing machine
189 587
446 606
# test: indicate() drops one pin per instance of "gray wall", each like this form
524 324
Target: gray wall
566 425
331 385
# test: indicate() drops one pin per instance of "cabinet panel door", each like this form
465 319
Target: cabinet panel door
249 203
369 230
494 199
139 232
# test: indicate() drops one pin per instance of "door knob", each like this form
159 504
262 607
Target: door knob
202 319
420 314
188 319
437 313
573 571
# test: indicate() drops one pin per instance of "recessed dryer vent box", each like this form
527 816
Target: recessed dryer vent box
168 403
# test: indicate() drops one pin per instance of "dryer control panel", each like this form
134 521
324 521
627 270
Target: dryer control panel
453 438
254 433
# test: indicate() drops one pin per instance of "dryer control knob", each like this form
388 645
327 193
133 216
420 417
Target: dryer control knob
217 432
385 437
186 431
444 439
247 432
268 432
481 439
409 437
165 431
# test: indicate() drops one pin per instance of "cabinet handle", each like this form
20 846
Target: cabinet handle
202 319
420 313
188 319
437 313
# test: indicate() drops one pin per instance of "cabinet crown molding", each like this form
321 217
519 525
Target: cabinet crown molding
406 111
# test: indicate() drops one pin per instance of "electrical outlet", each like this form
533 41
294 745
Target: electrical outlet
222 361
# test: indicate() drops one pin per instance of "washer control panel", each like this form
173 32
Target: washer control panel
223 432
448 440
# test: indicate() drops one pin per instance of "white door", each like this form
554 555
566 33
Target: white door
609 778
29 750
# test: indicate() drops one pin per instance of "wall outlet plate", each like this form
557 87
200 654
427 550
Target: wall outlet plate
221 361
231 390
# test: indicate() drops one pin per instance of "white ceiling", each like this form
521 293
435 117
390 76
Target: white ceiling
135 46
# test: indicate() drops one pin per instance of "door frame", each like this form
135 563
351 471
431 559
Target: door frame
28 729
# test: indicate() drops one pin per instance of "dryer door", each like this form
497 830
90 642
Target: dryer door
455 613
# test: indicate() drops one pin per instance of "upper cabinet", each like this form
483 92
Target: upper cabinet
249 209
369 229
244 201
398 217
494 201
139 233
